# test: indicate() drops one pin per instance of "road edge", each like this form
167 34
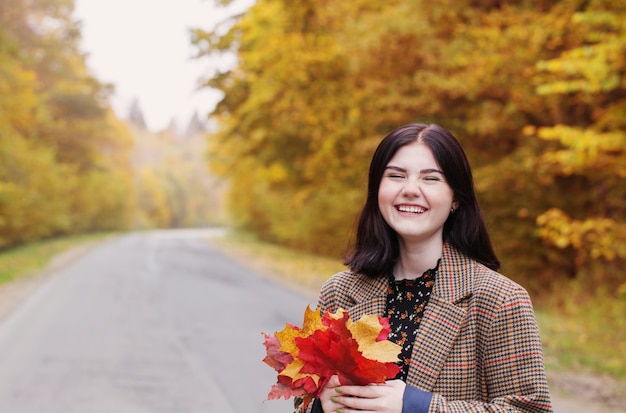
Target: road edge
14 293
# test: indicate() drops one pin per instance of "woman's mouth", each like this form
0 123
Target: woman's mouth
411 209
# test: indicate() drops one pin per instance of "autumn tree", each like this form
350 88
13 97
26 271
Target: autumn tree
585 148
173 186
316 87
69 167
28 197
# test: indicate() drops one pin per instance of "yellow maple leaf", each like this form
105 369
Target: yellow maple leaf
293 371
366 330
286 337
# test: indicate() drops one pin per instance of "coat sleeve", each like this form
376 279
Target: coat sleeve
512 368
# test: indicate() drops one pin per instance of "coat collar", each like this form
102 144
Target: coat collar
452 284
454 279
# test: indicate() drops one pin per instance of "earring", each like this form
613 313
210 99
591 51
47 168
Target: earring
452 210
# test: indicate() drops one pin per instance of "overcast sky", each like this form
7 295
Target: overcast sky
143 48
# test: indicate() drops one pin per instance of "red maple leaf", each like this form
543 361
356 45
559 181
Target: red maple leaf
275 358
336 351
385 330
285 390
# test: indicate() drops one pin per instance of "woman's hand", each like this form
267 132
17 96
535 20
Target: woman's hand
380 398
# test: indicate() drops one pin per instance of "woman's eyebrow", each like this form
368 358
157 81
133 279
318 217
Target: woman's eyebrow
430 171
395 168
422 172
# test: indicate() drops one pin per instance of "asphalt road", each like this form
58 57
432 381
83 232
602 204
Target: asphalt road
146 323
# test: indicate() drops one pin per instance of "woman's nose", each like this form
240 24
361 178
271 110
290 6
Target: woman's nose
412 188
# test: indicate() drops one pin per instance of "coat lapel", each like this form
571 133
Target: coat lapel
370 296
442 319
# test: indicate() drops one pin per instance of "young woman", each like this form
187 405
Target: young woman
424 259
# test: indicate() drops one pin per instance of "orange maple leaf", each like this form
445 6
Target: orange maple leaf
286 337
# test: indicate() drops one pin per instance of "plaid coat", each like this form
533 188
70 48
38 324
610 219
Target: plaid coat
477 348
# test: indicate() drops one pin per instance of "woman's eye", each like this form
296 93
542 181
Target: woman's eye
432 178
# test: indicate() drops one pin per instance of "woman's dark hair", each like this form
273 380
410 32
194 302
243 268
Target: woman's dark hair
377 248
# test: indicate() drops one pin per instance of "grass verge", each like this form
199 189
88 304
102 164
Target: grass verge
585 331
305 271
25 260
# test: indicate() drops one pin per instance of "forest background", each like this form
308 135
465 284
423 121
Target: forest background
534 90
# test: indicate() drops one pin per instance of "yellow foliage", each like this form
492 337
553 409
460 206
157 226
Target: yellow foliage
592 238
64 165
151 201
102 201
35 191
585 150
20 105
596 66
534 91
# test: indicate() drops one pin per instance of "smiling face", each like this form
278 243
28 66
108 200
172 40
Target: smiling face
414 197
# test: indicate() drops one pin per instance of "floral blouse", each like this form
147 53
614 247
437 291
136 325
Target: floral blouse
406 300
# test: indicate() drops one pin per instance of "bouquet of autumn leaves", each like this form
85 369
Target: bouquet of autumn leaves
306 357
